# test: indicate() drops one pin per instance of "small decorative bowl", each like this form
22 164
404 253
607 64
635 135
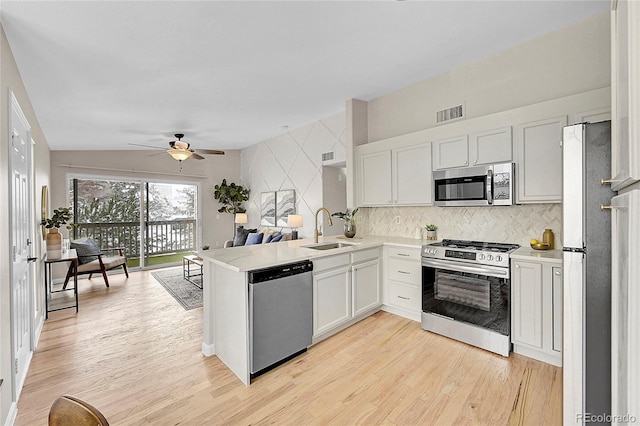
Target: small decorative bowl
540 246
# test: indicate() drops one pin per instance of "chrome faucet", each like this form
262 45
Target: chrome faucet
317 232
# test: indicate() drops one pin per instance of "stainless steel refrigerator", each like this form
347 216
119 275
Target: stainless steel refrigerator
586 262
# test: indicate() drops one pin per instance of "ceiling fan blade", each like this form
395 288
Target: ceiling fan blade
197 157
210 151
148 146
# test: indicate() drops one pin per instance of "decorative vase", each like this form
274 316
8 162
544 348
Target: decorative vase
54 244
432 235
349 229
548 237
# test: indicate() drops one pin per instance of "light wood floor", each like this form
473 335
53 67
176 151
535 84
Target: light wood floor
134 353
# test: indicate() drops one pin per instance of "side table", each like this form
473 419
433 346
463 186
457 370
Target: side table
187 262
55 299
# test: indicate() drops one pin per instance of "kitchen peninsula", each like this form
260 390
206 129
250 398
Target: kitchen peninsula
226 307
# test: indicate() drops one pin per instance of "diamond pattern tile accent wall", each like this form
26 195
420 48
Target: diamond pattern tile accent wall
292 160
513 224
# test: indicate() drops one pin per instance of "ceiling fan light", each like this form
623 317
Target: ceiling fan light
180 154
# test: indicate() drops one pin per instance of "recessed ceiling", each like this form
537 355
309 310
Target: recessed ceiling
103 74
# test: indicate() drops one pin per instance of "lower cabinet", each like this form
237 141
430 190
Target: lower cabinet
346 288
536 310
402 289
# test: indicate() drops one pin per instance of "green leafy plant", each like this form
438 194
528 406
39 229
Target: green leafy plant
431 227
346 216
61 216
231 196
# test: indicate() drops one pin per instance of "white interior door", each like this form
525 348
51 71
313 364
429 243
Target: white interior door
21 276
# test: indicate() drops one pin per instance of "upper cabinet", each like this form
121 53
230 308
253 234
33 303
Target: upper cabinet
375 178
398 176
625 93
539 161
486 147
451 152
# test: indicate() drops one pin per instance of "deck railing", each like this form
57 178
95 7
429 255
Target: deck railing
162 237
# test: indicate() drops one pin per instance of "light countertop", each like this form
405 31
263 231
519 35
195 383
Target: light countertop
527 253
247 258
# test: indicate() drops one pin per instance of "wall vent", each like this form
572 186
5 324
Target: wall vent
328 156
449 114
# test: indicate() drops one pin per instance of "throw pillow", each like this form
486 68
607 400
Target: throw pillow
241 236
268 238
276 238
86 249
254 238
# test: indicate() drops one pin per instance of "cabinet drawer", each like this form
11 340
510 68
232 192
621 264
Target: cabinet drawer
325 263
405 296
405 253
364 255
406 271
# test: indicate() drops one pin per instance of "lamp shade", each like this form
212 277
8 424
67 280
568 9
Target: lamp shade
294 221
241 218
179 154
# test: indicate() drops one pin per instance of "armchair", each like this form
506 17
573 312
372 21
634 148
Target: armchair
92 259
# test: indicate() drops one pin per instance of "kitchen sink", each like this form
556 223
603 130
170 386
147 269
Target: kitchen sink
329 246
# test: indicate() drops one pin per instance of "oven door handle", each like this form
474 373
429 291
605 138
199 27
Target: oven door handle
451 265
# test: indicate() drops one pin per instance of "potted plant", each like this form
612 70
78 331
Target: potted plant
231 196
431 231
349 222
61 216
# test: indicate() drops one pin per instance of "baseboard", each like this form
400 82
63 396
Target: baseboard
11 416
208 350
405 313
538 354
38 332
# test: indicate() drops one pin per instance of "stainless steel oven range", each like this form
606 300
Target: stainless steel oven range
466 289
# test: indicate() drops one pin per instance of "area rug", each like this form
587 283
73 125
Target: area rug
187 294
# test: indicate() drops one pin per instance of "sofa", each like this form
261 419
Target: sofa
247 237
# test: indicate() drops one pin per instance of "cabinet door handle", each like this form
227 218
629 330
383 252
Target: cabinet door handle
403 254
405 298
557 272
404 272
517 266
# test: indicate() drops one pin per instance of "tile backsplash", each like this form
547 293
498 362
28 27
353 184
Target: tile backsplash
512 224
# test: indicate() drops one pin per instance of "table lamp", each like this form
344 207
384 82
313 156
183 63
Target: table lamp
294 221
241 218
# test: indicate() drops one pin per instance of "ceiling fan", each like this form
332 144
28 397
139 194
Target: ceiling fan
181 150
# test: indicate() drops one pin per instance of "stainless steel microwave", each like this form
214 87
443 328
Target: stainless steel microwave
490 185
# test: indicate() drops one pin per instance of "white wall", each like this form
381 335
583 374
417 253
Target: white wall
292 160
10 80
216 227
572 60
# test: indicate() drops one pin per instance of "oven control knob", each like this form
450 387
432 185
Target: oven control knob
481 256
498 258
489 257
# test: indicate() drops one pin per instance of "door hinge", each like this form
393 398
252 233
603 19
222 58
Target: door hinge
16 366
28 241
15 252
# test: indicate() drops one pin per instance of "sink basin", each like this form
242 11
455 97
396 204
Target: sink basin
329 246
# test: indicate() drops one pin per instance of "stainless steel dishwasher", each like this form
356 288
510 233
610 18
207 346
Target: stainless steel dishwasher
280 314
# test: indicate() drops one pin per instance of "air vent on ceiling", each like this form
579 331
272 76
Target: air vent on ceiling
327 156
449 114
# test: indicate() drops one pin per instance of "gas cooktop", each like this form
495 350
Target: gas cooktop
477 245
478 252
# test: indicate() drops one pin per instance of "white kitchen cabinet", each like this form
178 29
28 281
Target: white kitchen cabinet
539 161
398 176
483 147
375 179
412 175
625 92
491 146
451 152
625 299
331 299
536 310
365 286
346 288
402 286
